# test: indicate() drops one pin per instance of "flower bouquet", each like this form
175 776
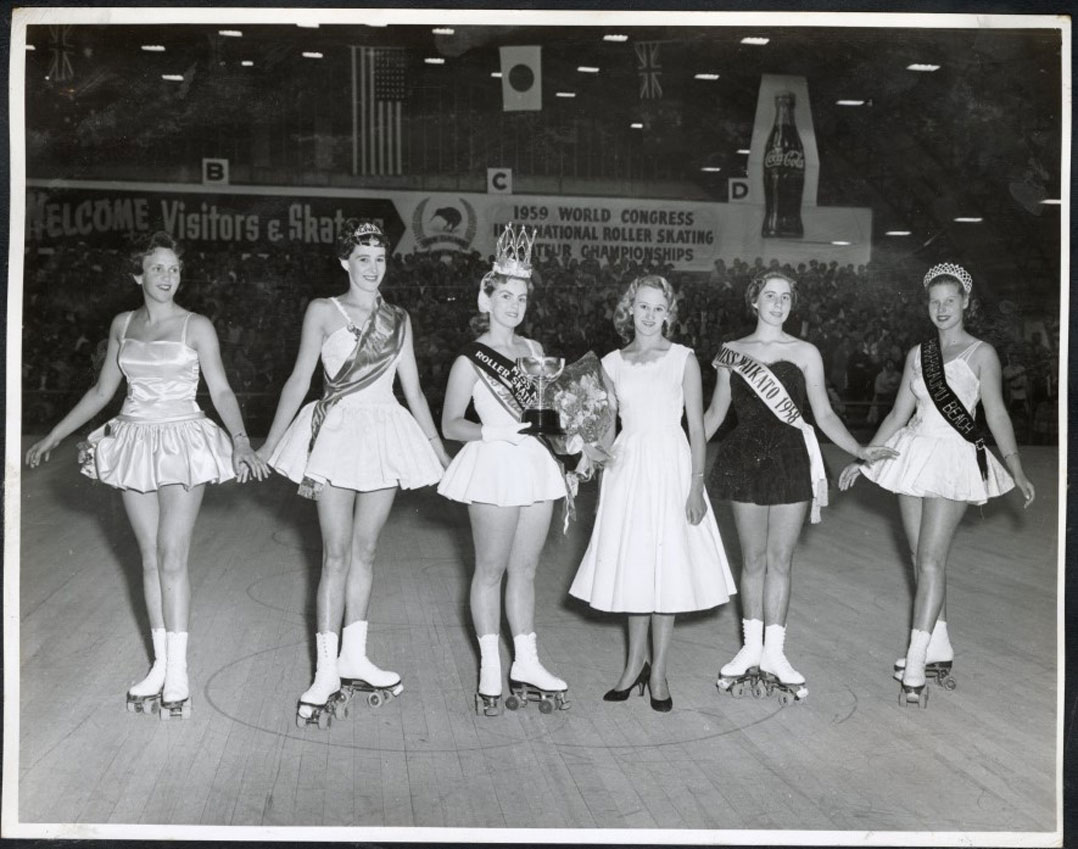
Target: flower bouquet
586 413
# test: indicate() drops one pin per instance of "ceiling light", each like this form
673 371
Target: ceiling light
247 63
968 220
849 103
311 54
744 151
636 126
307 26
1052 202
496 74
565 94
706 77
897 233
443 30
231 33
615 37
839 242
30 47
154 48
434 60
711 169
587 69
918 66
176 78
754 40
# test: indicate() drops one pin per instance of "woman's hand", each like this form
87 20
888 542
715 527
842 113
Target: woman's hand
510 433
440 452
849 476
40 450
1022 482
695 506
872 453
246 461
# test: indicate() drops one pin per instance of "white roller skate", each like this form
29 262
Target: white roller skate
529 681
914 680
939 661
145 696
776 673
743 672
323 698
488 696
175 695
359 675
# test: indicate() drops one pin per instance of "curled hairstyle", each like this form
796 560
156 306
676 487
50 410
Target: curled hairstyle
623 314
150 243
359 231
756 285
480 322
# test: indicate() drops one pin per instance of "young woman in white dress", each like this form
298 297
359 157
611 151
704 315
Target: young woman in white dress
161 451
938 471
350 452
655 549
508 478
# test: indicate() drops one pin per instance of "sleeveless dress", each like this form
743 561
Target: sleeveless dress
367 441
934 461
644 556
501 473
161 436
763 460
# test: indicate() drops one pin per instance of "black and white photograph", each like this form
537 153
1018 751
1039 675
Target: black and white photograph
536 426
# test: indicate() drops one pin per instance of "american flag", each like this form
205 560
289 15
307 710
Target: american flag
649 69
377 96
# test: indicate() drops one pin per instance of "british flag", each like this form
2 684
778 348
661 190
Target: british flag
649 69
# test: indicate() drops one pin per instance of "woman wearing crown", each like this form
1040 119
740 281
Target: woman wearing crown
509 479
350 452
942 463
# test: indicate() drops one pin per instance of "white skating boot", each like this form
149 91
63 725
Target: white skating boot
488 696
358 674
318 702
175 695
775 669
939 661
145 696
913 677
530 681
744 670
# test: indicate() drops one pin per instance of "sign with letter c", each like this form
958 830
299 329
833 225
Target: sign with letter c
500 181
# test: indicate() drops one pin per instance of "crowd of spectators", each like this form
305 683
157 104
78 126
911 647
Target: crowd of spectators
863 319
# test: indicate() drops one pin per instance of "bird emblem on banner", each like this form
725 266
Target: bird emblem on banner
649 69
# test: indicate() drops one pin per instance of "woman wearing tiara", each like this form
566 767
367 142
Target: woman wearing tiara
508 478
942 463
771 469
655 549
350 452
161 451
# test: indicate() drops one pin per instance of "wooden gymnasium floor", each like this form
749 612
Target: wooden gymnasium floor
979 759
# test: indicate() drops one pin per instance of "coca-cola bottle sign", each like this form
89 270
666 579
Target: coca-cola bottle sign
784 173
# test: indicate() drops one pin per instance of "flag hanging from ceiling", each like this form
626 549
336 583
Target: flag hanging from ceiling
377 100
61 51
522 78
649 69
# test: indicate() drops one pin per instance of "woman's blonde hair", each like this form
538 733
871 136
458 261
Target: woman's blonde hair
623 314
480 322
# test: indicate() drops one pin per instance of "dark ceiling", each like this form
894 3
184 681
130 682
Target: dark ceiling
979 137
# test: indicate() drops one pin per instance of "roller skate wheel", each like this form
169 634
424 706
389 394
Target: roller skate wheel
323 720
784 698
546 706
513 702
340 710
165 714
132 707
185 711
924 698
902 700
374 699
948 683
300 721
760 690
737 690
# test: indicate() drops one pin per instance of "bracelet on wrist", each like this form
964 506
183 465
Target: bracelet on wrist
240 435
1012 454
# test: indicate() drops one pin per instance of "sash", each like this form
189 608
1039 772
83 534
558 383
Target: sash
516 393
769 389
948 404
377 346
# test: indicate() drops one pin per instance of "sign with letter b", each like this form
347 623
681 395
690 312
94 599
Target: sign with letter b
215 172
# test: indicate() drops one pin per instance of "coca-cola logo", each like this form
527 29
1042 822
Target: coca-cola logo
777 157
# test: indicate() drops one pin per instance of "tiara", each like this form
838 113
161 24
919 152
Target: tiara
513 252
949 269
366 228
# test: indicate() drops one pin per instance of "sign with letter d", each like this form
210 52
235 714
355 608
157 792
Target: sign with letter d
738 189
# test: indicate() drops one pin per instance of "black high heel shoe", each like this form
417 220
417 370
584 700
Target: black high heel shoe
641 681
661 705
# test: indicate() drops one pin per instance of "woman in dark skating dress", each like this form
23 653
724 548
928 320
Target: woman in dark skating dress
770 467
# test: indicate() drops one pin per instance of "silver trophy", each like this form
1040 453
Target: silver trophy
542 371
